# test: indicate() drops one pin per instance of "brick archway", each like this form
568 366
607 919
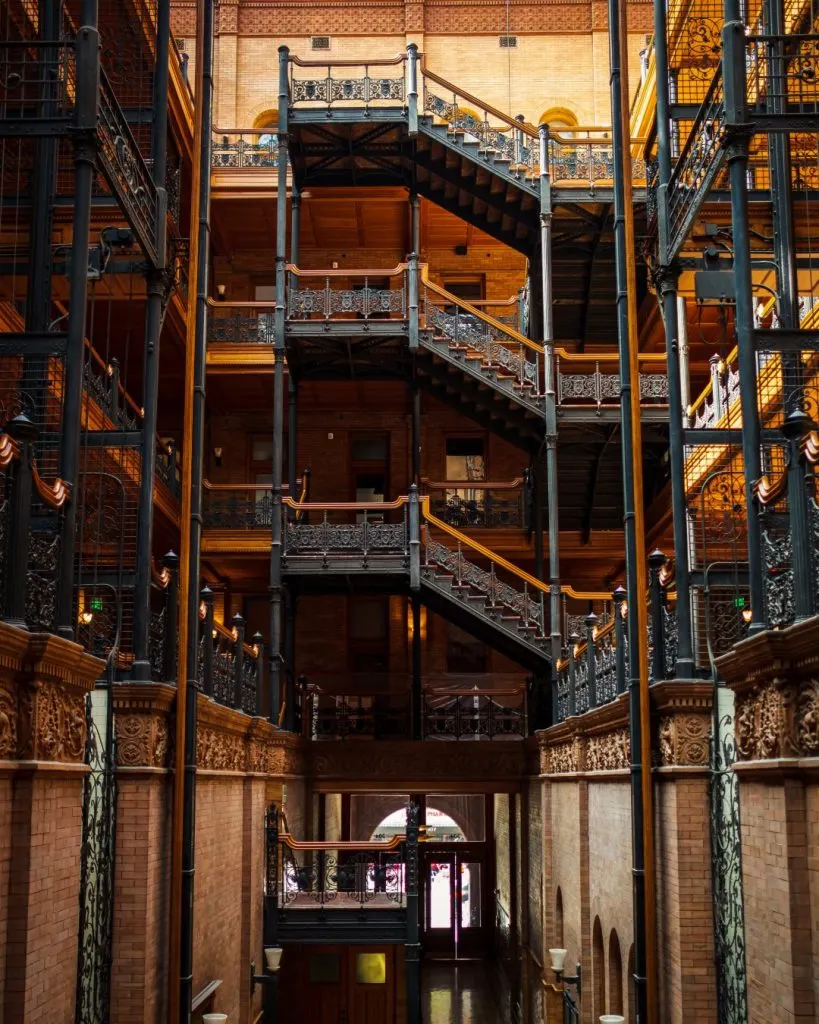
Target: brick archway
369 811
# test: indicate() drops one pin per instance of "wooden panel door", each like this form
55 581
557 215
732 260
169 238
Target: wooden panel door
313 988
370 985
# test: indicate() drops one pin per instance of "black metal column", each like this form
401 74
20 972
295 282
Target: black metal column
87 93
156 285
276 660
738 132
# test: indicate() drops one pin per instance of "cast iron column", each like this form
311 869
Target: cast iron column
156 284
278 396
87 94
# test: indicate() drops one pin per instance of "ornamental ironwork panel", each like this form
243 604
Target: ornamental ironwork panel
223 672
782 72
777 561
605 669
364 89
472 717
97 862
247 149
42 575
343 303
250 679
599 388
125 169
484 510
355 878
345 538
238 510
726 868
241 327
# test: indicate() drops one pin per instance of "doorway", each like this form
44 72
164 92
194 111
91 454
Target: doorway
338 985
454 921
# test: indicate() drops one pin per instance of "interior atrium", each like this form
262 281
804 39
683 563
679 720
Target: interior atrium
409 522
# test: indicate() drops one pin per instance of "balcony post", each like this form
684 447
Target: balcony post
207 625
417 692
169 666
412 90
618 598
87 96
414 539
656 560
413 284
574 640
238 660
413 945
276 660
289 658
797 425
591 659
258 647
24 432
717 404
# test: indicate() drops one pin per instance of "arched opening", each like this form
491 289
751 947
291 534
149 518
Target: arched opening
615 1000
441 828
559 919
559 119
632 995
267 121
598 971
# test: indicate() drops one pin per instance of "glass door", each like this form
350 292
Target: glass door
454 918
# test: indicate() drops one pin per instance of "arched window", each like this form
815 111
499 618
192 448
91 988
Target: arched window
559 919
266 142
615 1001
559 119
598 971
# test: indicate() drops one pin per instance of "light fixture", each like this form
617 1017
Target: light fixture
273 958
747 614
558 959
217 456
220 291
612 1018
86 617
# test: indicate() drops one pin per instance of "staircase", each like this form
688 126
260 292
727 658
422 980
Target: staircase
480 366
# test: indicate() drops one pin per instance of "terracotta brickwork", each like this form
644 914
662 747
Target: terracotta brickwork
587 853
775 679
43 685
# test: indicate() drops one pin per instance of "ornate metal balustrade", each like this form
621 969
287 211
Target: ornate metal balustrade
348 295
478 504
102 386
592 673
241 322
162 625
125 169
236 149
167 468
238 506
586 162
464 328
230 670
347 83
329 542
697 167
368 715
302 876
497 593
474 714
586 383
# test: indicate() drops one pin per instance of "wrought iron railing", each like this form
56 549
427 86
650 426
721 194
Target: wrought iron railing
241 322
239 506
474 714
348 294
595 380
162 624
238 148
38 79
782 73
374 709
340 83
584 157
345 875
478 504
230 669
342 530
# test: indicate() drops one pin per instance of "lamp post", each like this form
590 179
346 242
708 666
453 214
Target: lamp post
270 982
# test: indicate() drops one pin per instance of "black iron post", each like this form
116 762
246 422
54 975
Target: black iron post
156 287
276 660
536 476
206 596
591 660
258 647
238 660
618 597
289 601
797 425
417 690
413 945
571 703
737 134
25 433
169 667
656 560
87 93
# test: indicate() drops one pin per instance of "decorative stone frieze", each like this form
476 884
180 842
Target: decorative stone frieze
606 752
44 680
683 712
775 679
226 740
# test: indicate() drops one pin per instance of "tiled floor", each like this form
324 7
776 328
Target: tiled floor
460 994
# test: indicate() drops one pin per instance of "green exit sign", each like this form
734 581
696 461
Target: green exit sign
739 602
96 604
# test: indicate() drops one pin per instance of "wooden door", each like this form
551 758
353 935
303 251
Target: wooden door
370 985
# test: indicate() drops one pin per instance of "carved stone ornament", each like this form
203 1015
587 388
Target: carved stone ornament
143 725
778 719
684 739
608 752
44 681
563 758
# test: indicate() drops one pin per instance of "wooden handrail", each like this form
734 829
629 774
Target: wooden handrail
349 63
341 844
605 357
106 368
9 449
243 304
54 495
510 332
161 579
208 486
344 506
524 126
228 635
472 485
810 446
395 271
243 131
475 693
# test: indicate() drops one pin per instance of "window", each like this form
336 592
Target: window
260 469
320 43
464 653
508 42
466 460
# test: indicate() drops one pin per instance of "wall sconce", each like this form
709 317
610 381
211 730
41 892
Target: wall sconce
85 618
220 291
217 456
269 981
747 615
558 957
612 1018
